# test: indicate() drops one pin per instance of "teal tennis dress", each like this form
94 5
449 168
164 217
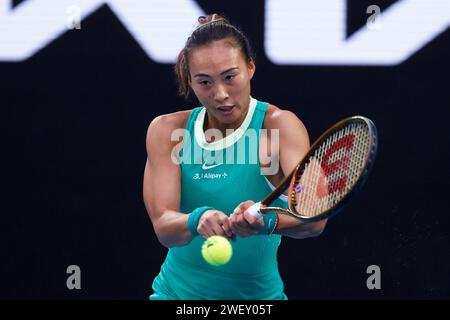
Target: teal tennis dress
223 174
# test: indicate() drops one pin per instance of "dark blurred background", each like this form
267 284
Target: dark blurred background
74 120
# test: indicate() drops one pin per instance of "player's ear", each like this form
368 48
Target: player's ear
251 66
188 83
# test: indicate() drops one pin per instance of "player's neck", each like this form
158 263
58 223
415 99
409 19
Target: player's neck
213 123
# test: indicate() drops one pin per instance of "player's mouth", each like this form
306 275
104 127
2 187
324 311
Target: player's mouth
226 110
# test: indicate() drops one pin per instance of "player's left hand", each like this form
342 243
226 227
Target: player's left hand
243 223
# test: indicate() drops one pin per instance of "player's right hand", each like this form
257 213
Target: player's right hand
243 224
215 223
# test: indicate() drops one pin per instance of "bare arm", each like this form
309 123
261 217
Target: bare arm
162 189
161 186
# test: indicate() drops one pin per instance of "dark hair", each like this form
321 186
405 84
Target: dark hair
211 28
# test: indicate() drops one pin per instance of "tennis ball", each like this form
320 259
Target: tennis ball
217 250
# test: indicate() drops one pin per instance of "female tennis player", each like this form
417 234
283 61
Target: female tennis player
190 195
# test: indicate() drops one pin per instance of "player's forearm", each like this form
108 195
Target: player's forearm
171 229
294 228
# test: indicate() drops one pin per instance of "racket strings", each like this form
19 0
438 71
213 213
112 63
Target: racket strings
350 172
359 154
332 171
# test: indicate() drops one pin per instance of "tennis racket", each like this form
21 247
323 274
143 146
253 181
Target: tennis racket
334 169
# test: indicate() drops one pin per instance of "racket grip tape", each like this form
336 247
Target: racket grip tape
270 219
254 210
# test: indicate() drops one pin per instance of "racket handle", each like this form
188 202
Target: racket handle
254 210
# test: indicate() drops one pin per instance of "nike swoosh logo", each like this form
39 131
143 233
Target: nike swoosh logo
206 167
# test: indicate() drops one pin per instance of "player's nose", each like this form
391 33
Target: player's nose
220 94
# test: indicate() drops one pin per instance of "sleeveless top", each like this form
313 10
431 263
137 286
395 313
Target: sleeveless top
223 174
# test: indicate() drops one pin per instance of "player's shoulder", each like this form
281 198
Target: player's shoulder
278 118
161 127
169 121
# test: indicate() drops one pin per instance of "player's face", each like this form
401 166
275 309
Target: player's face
220 78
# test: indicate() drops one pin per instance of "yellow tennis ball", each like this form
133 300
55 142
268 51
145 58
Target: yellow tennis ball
217 250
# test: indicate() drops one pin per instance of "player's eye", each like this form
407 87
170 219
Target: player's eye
204 82
230 76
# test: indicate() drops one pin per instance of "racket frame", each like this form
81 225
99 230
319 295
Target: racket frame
290 181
